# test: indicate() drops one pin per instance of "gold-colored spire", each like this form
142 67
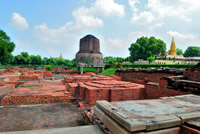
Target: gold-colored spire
173 47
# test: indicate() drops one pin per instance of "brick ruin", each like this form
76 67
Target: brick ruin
164 82
28 86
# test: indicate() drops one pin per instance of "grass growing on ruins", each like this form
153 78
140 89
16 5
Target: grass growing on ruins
87 69
31 86
109 71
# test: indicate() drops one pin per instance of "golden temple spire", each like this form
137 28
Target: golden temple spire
173 47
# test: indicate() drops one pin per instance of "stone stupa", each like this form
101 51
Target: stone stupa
89 51
172 48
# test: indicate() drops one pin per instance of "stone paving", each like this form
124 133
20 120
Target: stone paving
149 115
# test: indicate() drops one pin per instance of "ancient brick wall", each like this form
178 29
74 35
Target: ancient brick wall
141 77
193 75
121 94
156 90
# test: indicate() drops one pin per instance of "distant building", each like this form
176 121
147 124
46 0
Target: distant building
60 56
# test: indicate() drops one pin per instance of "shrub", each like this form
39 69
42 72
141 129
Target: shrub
48 67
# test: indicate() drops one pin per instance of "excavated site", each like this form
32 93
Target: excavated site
153 101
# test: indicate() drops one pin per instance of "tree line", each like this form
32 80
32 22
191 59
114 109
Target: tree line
145 48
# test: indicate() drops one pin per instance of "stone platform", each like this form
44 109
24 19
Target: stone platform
148 115
37 93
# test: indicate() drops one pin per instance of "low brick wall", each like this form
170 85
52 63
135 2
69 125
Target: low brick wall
193 75
113 90
5 89
37 93
156 90
146 75
121 94
189 130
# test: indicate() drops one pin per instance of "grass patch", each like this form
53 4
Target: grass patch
109 71
87 69
31 86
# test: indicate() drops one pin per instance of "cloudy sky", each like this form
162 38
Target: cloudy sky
54 27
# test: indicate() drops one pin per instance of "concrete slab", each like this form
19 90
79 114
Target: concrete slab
73 130
110 123
148 115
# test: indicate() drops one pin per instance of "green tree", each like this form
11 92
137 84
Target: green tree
19 59
6 48
151 59
59 61
192 51
146 47
36 59
179 51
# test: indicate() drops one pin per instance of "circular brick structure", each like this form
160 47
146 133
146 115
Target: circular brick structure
89 51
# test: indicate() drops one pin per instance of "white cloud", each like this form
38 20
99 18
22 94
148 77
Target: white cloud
84 20
56 41
181 36
116 47
184 40
143 17
156 26
181 9
135 35
90 17
18 22
108 8
133 3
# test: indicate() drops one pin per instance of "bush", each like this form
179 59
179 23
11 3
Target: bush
118 65
48 67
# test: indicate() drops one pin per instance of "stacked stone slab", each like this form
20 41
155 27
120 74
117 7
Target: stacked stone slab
89 51
161 116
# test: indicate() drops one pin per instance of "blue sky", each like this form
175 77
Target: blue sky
54 27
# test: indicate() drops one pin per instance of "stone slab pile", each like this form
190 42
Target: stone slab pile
160 116
37 93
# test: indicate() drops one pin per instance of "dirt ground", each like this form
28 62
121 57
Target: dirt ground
34 117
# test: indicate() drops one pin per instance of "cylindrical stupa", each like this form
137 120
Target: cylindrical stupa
89 51
173 48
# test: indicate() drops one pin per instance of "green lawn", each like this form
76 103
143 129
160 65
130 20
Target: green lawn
109 71
87 69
